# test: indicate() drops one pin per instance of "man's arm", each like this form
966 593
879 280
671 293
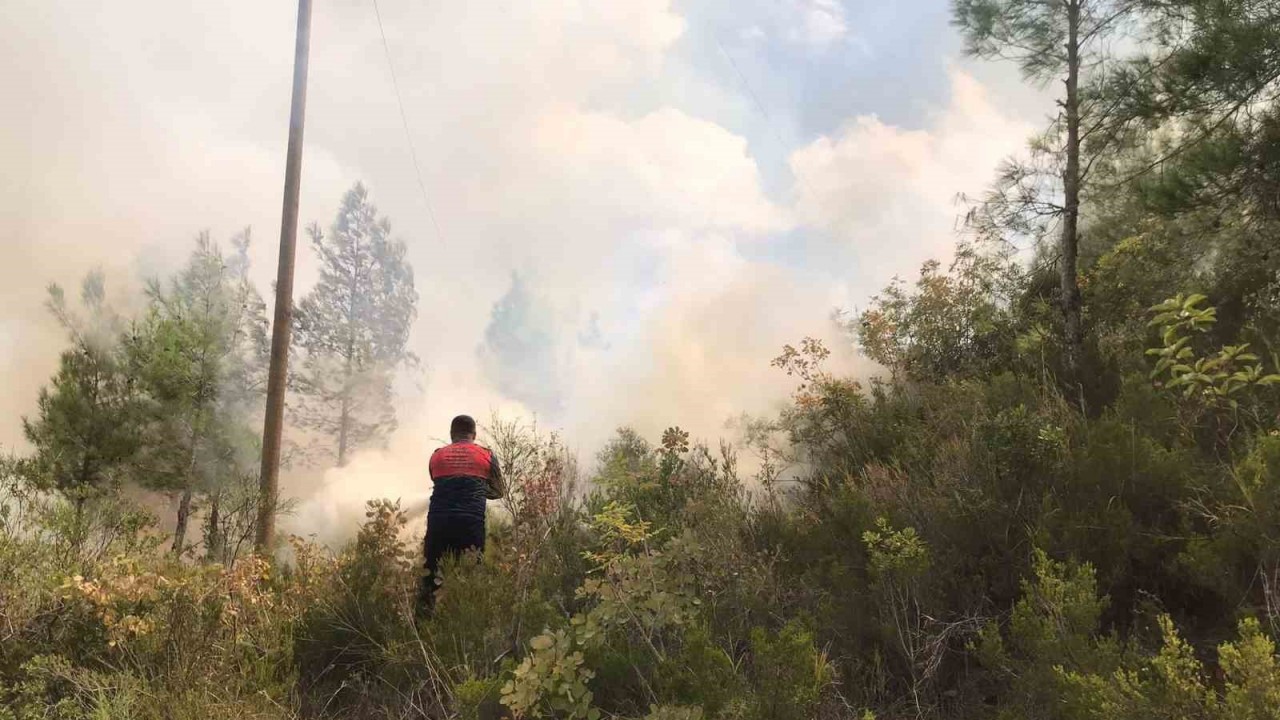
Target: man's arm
496 487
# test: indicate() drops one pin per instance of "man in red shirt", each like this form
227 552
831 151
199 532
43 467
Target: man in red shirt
463 475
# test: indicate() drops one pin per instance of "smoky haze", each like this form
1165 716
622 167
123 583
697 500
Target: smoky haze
628 223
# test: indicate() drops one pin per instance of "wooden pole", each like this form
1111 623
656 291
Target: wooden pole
273 424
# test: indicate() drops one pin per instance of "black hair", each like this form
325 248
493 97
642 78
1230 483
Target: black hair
461 426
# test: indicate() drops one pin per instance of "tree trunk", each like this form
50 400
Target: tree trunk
1070 285
184 504
80 536
184 514
344 420
213 536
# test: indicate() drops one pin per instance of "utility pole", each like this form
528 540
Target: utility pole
273 425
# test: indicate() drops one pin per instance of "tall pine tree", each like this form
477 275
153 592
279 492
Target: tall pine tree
200 354
1071 41
353 329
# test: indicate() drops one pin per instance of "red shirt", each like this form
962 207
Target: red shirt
463 475
461 459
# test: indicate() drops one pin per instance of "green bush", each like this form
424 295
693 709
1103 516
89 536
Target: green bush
788 674
970 547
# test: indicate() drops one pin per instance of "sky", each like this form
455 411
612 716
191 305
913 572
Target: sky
626 207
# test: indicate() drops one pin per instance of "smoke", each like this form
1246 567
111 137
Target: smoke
602 240
518 355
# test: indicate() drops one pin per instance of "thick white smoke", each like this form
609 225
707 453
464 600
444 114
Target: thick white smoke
660 275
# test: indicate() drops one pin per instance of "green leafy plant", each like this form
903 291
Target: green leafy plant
1217 380
636 591
552 680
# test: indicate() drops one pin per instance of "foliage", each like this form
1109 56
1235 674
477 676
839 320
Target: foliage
974 534
144 635
789 672
906 585
1074 41
87 426
637 592
539 470
352 329
87 423
200 359
953 324
1216 382
1221 395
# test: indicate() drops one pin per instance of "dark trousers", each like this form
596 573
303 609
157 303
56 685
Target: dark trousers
447 536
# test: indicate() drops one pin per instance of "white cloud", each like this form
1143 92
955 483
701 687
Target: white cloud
823 22
818 25
888 195
666 169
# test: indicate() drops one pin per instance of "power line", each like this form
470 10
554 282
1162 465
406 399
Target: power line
768 119
404 119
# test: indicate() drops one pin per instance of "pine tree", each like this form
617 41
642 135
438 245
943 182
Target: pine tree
200 354
87 427
353 328
1215 80
1069 40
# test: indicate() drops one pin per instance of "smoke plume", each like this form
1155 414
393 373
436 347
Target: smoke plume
612 232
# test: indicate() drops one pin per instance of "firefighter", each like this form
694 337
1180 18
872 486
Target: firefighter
464 476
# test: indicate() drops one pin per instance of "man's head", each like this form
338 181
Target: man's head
463 427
